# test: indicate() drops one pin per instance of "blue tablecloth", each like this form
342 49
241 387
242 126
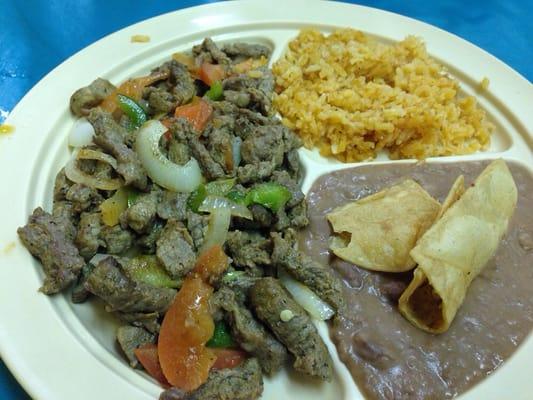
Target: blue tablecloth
37 35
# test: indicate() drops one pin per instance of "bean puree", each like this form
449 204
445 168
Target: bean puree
387 356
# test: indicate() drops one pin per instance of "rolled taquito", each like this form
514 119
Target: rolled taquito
455 249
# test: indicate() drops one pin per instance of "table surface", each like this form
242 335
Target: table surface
37 35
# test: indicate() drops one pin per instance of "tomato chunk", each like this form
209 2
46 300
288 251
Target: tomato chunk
186 327
228 358
211 263
210 73
167 123
147 356
197 113
132 88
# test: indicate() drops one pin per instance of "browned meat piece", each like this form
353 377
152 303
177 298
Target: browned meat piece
264 144
240 383
262 152
240 282
83 198
304 269
45 239
221 149
246 50
108 282
147 242
210 168
266 82
209 52
111 138
282 220
160 100
66 218
140 216
262 216
181 129
292 161
79 293
116 239
61 186
269 299
178 152
148 321
257 90
131 337
283 178
88 97
197 226
250 334
247 120
240 99
248 249
184 89
298 215
251 173
178 89
175 249
88 239
183 132
173 206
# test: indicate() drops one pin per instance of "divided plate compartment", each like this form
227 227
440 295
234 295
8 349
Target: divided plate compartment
35 328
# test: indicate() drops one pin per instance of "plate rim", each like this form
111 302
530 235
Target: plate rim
17 366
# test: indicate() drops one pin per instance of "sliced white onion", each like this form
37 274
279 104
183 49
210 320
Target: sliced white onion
236 151
89 154
178 178
304 296
81 134
78 176
218 227
211 203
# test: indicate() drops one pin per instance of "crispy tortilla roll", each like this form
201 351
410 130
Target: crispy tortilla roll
378 231
457 247
455 193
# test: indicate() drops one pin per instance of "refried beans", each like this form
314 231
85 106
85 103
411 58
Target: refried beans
387 356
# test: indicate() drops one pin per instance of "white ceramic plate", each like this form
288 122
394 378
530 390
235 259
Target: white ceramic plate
58 350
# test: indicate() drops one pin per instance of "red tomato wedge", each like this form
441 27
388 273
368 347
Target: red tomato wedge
132 88
210 73
147 356
186 328
211 263
197 113
228 358
167 123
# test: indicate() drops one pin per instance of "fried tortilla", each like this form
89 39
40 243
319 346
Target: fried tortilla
457 247
378 231
455 193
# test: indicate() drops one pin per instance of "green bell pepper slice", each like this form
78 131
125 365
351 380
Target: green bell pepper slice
196 197
213 188
215 92
133 196
132 109
271 195
147 269
221 336
237 197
